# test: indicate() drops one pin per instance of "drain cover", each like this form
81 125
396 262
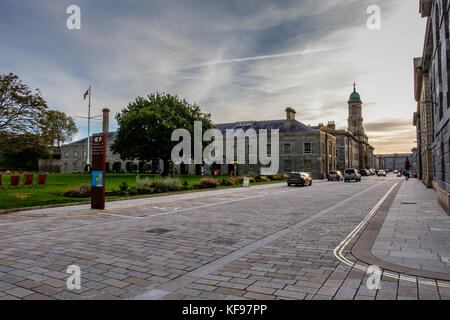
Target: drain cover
403 202
157 231
224 241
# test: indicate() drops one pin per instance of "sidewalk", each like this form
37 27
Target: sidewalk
415 233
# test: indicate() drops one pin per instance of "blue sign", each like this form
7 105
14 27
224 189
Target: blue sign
97 178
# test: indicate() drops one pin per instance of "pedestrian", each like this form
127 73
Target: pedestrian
406 172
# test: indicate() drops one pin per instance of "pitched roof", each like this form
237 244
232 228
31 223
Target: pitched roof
283 126
109 139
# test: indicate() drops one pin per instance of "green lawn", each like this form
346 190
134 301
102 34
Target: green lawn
58 183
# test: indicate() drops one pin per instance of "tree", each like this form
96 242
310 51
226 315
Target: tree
20 109
22 151
146 126
57 128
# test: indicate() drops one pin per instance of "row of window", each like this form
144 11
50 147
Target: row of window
307 148
75 154
307 165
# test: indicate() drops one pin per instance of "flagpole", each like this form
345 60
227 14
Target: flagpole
88 161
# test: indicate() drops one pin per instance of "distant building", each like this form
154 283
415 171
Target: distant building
396 161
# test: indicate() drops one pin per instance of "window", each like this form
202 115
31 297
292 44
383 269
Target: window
65 165
307 147
84 153
287 148
307 165
287 165
66 154
74 166
75 154
269 149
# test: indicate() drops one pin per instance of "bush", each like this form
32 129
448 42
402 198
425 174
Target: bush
165 185
205 183
143 185
133 191
209 183
82 191
264 179
230 181
276 178
123 187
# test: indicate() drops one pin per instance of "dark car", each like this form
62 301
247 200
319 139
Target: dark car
299 179
335 176
364 172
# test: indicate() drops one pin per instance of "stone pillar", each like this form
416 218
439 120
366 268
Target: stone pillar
106 120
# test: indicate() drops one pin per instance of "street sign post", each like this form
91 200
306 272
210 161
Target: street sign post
98 171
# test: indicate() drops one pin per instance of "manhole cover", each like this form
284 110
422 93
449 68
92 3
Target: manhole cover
224 241
157 231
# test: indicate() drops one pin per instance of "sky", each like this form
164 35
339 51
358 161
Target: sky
238 60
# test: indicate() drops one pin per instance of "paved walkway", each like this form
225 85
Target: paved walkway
265 242
416 231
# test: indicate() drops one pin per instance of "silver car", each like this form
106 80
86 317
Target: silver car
352 175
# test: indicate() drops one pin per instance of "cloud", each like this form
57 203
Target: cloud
389 125
238 60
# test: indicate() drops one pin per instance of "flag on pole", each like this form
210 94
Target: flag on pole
86 94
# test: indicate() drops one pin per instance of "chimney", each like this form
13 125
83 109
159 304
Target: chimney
290 114
331 125
106 120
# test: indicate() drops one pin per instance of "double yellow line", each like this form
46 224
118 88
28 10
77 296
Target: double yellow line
340 248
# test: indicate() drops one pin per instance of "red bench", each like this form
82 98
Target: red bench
41 180
28 181
14 182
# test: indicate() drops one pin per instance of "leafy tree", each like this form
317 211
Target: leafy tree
58 128
146 126
22 151
20 109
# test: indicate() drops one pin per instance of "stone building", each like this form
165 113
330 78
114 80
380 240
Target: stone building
396 161
301 148
378 162
74 155
434 98
422 120
353 148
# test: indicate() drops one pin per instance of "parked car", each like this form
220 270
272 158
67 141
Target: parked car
299 179
399 174
364 172
381 173
335 176
396 171
373 171
352 174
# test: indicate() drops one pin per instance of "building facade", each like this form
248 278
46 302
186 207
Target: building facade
301 148
353 148
435 98
396 161
74 156
422 120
